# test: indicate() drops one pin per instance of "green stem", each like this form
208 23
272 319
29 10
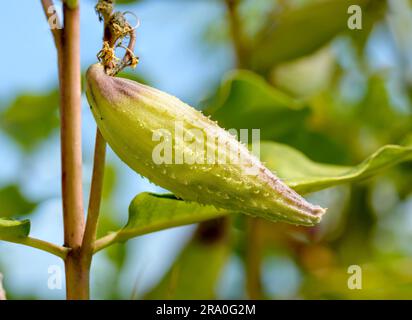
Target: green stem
52 248
236 32
253 259
105 241
86 252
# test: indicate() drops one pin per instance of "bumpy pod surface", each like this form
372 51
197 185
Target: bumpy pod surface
130 114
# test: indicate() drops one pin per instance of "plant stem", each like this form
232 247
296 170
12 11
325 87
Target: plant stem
236 33
86 252
105 241
71 152
253 259
52 248
67 43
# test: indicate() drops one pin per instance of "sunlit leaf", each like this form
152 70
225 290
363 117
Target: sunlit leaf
12 229
150 212
31 118
306 176
13 202
154 211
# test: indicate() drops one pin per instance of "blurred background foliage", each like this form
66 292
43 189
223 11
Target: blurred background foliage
296 71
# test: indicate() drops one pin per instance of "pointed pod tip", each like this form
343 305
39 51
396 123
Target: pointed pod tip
309 216
316 214
319 211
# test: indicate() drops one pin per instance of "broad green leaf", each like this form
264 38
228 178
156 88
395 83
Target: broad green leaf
149 212
191 274
31 118
305 175
12 229
246 101
297 32
13 202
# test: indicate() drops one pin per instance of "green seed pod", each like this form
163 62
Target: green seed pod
195 157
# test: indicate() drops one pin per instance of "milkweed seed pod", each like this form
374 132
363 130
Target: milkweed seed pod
178 148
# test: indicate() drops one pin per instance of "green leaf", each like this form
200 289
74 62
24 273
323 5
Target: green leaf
13 202
300 31
246 101
31 118
191 274
152 211
13 229
149 212
305 175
